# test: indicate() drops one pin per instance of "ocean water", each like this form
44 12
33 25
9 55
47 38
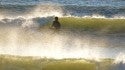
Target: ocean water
107 8
20 19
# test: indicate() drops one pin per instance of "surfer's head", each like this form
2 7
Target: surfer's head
56 18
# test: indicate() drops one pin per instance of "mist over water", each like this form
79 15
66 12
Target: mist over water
18 40
21 41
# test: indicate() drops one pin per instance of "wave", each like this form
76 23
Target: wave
50 9
23 22
31 10
66 44
35 15
63 44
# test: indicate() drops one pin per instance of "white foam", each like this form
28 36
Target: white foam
120 58
47 44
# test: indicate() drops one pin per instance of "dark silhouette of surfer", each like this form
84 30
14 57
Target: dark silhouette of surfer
56 24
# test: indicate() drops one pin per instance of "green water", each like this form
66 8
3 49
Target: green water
31 63
102 25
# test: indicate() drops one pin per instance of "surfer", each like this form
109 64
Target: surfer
56 24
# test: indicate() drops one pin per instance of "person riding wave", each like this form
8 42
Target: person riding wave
56 24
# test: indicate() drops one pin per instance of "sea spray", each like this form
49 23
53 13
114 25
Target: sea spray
22 31
33 43
119 62
120 58
50 44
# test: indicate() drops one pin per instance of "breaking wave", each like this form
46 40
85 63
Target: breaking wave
65 44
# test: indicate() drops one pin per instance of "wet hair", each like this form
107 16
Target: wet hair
56 18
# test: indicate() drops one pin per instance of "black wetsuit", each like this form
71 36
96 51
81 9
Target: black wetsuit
56 24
